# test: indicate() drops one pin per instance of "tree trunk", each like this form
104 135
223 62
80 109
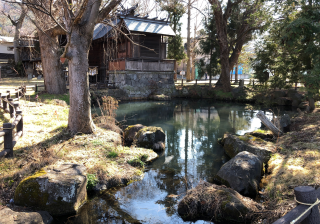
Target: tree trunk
18 25
276 132
55 81
224 79
80 103
236 74
188 43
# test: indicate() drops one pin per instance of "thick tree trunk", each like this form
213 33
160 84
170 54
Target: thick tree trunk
16 51
224 79
80 103
55 81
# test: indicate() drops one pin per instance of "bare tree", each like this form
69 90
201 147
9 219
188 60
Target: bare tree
77 19
17 23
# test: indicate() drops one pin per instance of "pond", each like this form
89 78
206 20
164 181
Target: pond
192 154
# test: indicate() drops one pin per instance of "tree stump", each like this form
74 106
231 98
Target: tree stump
276 132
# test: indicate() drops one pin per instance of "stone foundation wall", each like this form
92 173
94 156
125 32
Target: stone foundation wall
7 71
140 85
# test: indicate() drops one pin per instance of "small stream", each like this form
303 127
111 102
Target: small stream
192 154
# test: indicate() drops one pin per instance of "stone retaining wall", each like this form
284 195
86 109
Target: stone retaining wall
7 71
139 85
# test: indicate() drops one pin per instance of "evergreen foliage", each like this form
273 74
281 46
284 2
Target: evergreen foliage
175 10
291 50
209 46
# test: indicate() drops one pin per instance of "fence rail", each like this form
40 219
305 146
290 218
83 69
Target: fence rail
11 106
307 212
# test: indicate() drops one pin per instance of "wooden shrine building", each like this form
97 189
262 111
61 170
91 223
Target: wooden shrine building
129 44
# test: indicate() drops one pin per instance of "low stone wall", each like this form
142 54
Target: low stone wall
140 85
7 71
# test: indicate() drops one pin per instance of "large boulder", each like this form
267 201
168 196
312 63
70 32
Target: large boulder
130 132
151 138
233 145
242 173
283 101
283 122
58 189
11 217
218 203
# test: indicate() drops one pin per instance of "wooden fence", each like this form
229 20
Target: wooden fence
11 106
307 212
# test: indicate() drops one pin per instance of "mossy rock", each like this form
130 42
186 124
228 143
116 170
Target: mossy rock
219 203
57 189
130 132
10 217
242 173
151 138
233 145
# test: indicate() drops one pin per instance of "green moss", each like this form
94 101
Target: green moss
28 192
223 95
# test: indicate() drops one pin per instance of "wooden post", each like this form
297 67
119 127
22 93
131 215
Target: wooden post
276 132
9 94
182 81
20 124
4 103
210 80
307 194
16 106
11 107
196 82
8 139
36 88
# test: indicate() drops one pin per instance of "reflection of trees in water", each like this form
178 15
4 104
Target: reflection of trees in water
192 130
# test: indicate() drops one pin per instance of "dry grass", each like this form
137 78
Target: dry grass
12 83
47 141
295 164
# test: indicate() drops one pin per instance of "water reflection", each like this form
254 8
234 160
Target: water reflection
192 153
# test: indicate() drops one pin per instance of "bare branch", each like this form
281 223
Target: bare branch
81 12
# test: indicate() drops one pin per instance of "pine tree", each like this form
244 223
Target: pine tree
175 10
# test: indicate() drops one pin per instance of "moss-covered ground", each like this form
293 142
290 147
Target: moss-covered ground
46 141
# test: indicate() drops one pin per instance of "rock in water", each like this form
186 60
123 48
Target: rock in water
151 138
234 144
242 173
11 217
131 132
57 189
218 203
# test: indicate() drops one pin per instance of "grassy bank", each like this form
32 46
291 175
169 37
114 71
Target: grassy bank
296 163
47 141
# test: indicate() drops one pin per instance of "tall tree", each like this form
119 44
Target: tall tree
48 32
291 49
77 19
249 16
175 10
209 47
17 22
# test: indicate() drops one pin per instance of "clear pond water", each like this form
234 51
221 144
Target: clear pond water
192 154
